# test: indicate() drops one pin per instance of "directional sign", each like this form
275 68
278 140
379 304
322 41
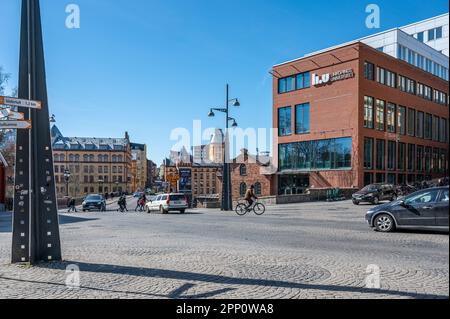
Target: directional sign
11 125
11 101
11 115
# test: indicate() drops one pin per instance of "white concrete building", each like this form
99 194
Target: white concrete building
423 44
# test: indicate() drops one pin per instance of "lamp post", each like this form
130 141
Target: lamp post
67 179
227 201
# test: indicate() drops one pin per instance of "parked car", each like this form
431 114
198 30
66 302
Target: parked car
375 193
166 203
426 208
94 202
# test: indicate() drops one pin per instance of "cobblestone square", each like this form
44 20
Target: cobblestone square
313 250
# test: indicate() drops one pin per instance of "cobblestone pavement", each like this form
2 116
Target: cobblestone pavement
313 250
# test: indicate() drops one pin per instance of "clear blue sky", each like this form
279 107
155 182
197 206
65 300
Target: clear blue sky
147 66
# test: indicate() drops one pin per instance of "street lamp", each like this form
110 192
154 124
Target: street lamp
67 179
227 201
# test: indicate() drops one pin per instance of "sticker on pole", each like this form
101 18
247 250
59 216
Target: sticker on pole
11 101
15 125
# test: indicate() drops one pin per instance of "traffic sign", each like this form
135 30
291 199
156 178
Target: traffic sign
11 101
11 115
15 125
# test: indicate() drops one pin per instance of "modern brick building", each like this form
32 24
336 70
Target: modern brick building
352 115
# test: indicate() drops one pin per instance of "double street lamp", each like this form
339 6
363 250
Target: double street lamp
227 201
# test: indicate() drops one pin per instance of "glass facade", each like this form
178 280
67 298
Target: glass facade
381 109
316 155
391 116
381 155
284 121
368 153
295 82
411 122
402 120
420 128
392 156
302 118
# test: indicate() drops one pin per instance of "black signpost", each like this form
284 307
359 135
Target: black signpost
35 226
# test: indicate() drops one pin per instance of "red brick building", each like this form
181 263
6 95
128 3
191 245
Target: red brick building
247 170
353 115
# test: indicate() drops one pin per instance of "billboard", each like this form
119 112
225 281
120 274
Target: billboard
185 182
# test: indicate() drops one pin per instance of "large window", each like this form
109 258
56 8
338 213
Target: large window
402 120
411 157
411 122
401 157
295 82
386 77
381 155
369 71
302 119
443 130
436 122
284 121
428 155
390 118
425 91
392 155
381 109
312 155
419 159
368 153
443 161
406 84
428 126
368 112
436 158
420 119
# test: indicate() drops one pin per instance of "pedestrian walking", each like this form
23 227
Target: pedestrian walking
72 205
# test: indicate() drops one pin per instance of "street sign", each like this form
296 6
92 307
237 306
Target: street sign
15 125
11 101
11 115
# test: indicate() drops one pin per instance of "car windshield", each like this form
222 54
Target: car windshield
370 188
94 197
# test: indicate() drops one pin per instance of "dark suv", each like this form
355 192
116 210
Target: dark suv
94 202
375 193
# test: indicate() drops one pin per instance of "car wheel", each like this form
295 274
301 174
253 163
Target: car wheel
147 210
384 223
162 210
182 211
355 202
376 201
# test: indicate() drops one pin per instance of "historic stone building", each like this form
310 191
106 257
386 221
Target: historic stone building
96 165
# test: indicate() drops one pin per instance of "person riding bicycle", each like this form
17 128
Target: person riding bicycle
250 196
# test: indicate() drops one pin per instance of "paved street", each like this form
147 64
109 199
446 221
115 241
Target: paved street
314 250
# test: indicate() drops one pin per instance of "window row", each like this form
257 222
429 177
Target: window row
294 82
422 62
405 121
394 179
392 156
302 120
312 155
404 84
88 158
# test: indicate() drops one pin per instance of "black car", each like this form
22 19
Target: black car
375 193
94 202
423 209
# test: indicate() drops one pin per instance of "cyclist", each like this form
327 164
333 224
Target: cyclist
250 196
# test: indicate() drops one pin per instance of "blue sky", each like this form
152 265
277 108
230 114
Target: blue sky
147 66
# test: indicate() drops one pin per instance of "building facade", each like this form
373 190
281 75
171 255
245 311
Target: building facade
96 165
352 115
139 167
152 174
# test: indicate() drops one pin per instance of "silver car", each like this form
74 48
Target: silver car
166 203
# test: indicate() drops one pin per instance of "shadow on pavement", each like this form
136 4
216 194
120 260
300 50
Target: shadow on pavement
223 280
6 221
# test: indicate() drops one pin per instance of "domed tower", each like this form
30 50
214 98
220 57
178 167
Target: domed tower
216 147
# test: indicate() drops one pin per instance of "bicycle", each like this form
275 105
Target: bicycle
258 208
